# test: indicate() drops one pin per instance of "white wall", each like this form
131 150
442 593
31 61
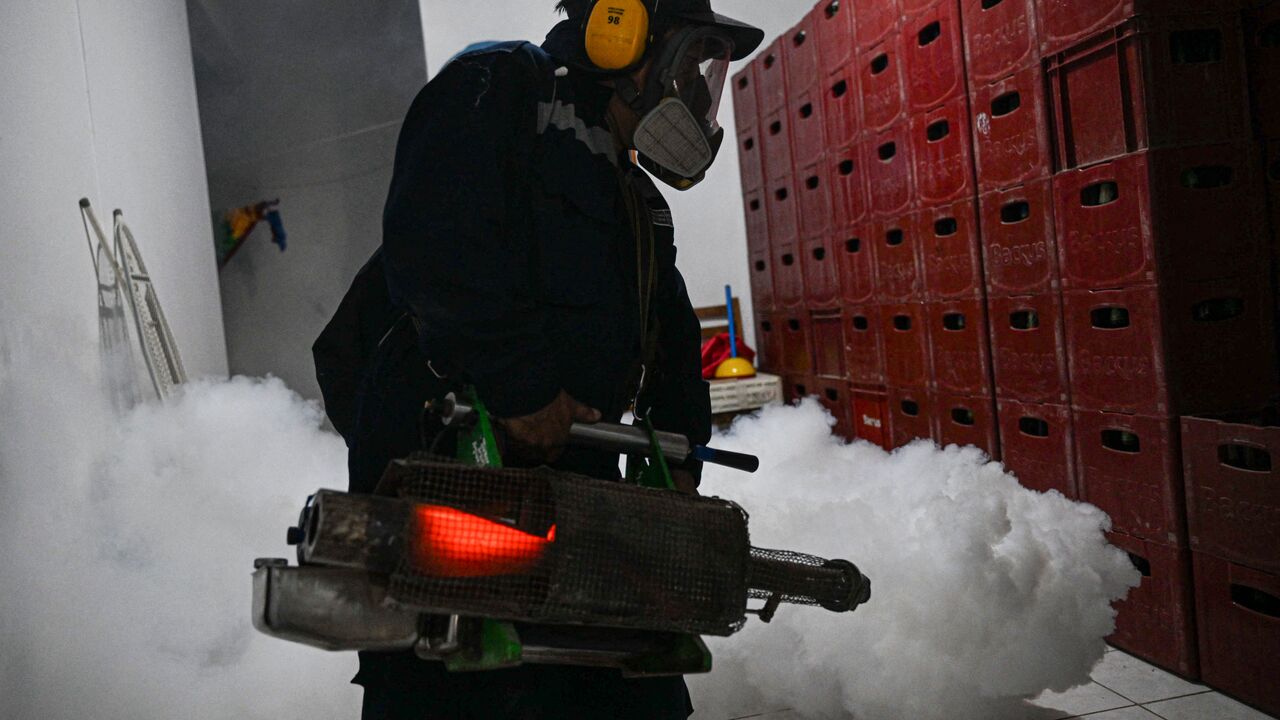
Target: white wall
97 99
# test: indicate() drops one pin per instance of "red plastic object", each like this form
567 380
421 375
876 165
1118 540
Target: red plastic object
1193 348
871 416
1063 23
874 20
1029 348
771 77
1156 620
999 38
933 56
1134 87
814 204
827 330
847 171
1036 445
834 22
821 267
808 138
864 345
788 277
833 393
967 420
899 276
757 213
1011 130
961 347
880 78
1238 614
746 104
750 159
905 334
797 348
1175 215
910 415
842 106
782 214
855 249
775 136
802 57
1019 243
890 181
762 279
941 147
1130 468
798 386
768 341
1262 37
914 7
950 250
1232 472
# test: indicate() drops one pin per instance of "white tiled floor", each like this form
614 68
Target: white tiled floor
1126 688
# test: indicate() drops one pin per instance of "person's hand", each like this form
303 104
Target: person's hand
540 437
684 481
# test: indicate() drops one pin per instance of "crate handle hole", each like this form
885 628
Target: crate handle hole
839 89
937 131
1245 457
833 7
743 83
930 33
953 322
819 254
910 407
1217 309
963 416
879 63
760 266
1100 193
766 326
1024 320
988 4
812 182
1196 47
1015 212
749 143
801 390
775 127
781 194
853 245
846 167
793 325
860 323
1256 600
1006 103
887 151
806 111
799 38
946 227
833 395
894 238
1142 564
902 322
1121 441
755 205
1033 426
1207 177
788 260
769 61
1110 318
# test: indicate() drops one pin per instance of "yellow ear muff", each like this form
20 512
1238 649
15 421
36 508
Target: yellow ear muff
617 33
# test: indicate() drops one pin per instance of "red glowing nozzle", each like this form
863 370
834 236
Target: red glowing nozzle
446 542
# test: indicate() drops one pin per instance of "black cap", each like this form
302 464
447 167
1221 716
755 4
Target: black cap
746 38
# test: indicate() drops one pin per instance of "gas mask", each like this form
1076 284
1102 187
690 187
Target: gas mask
678 136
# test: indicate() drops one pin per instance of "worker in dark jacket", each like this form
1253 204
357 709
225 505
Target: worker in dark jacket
525 254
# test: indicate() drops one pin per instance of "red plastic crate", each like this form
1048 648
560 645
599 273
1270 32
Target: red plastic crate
1238 615
757 216
1156 620
833 393
871 416
821 267
798 386
768 341
1063 23
942 149
899 276
933 56
1130 467
880 78
788 276
797 346
802 56
999 38
834 22
864 345
842 106
746 105
855 249
750 159
827 330
1232 472
961 347
847 171
1011 130
890 181
1019 242
1036 445
814 204
775 136
874 20
950 250
762 279
1262 29
967 420
910 415
905 335
808 138
771 77
1132 88
781 212
1193 348
1029 348
1174 214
